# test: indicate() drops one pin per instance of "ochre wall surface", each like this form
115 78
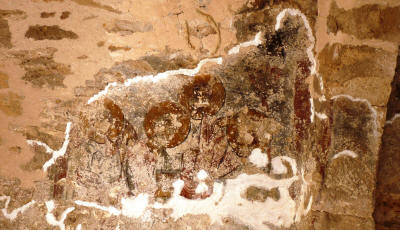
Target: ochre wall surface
200 114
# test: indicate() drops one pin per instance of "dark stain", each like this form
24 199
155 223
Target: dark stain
15 149
5 34
286 175
13 14
160 193
64 15
3 80
47 14
113 48
254 193
275 43
41 69
100 43
295 189
54 32
11 103
82 57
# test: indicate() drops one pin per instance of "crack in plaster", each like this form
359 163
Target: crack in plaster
257 41
11 216
51 219
55 153
154 78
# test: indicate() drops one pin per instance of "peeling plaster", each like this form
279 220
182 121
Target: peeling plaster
257 41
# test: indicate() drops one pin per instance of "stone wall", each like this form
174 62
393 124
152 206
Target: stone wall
200 114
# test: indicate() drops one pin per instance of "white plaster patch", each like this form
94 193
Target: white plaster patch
202 175
131 207
397 115
228 200
312 110
79 227
279 168
51 219
345 153
257 41
111 210
135 207
321 116
258 158
55 153
11 216
321 84
201 187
